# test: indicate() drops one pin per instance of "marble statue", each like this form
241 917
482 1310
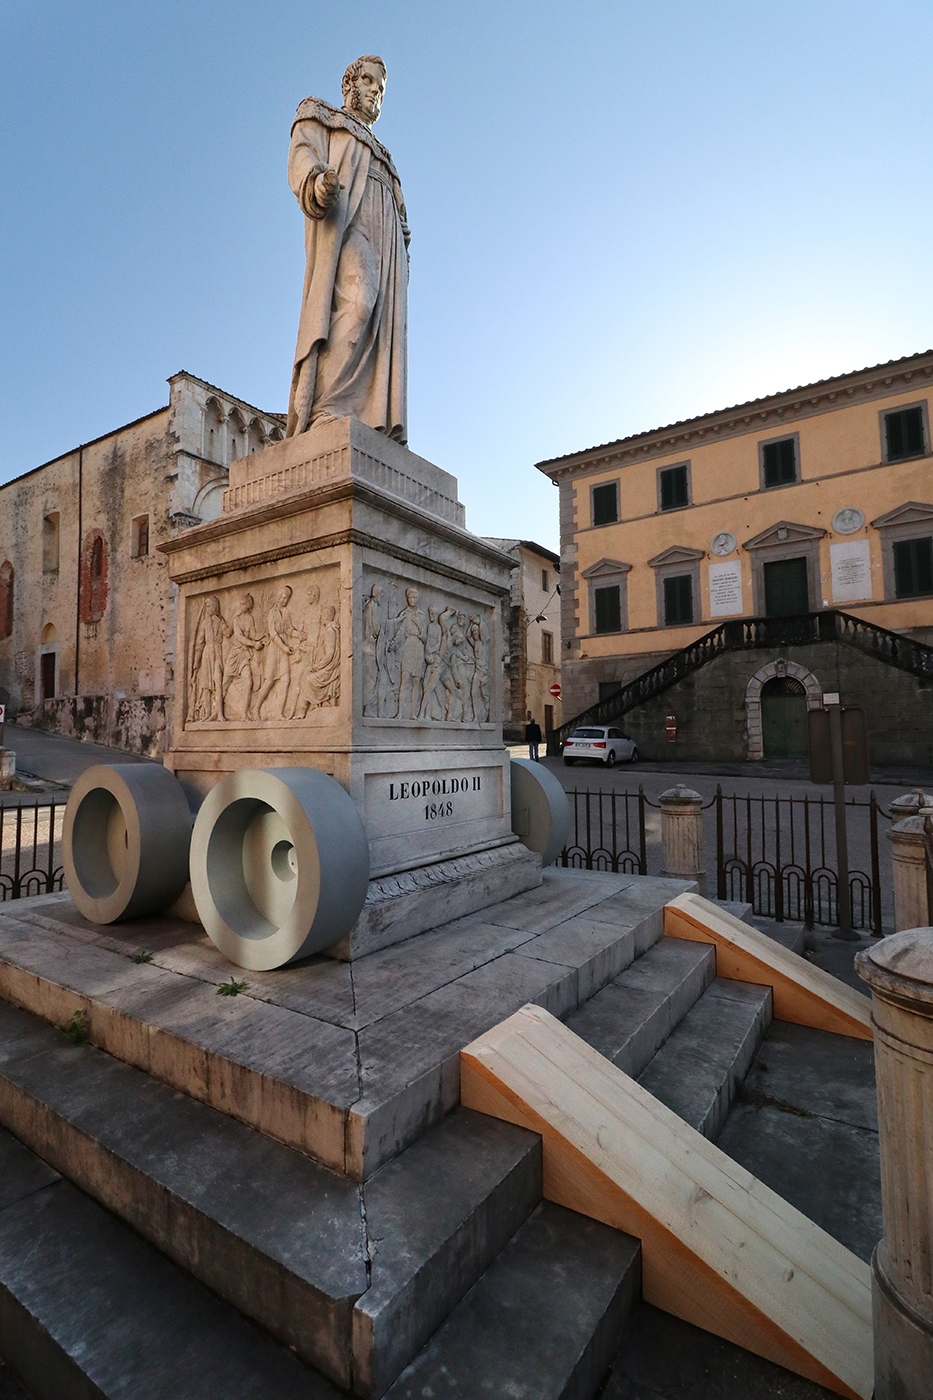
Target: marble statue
351 355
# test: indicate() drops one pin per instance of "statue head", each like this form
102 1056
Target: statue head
432 614
283 596
363 87
247 602
330 614
314 594
411 595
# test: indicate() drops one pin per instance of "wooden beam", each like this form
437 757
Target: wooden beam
719 1248
804 994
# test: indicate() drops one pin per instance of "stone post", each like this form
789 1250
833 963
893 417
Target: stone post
7 768
899 971
909 864
682 834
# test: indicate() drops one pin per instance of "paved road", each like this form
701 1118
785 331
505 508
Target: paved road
55 760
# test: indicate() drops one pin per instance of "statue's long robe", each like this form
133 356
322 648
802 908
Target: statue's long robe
351 355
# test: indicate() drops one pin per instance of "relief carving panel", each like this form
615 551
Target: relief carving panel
267 653
426 655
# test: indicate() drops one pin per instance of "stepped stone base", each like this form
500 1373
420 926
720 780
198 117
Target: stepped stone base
347 1062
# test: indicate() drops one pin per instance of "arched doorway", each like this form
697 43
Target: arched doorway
784 718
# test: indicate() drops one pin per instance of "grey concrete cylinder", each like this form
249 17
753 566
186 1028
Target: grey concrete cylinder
909 869
540 809
279 865
899 971
125 841
682 834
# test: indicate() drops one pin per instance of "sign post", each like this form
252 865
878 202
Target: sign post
2 723
839 755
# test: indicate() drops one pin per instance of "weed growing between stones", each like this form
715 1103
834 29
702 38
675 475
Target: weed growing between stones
233 988
78 1028
142 957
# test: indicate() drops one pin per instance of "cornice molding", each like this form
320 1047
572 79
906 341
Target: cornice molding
605 566
764 415
784 532
676 554
910 513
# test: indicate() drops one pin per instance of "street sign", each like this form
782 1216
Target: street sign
555 691
2 713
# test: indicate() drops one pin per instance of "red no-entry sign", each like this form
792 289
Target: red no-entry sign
555 691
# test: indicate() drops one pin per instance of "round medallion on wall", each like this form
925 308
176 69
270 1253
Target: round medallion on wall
848 520
723 543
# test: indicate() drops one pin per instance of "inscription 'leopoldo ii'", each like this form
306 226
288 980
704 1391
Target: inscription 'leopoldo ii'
435 788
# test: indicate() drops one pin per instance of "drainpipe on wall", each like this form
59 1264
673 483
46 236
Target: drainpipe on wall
78 588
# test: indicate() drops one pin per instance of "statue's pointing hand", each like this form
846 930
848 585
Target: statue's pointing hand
327 189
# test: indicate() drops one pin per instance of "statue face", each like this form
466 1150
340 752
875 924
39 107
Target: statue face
412 595
368 92
283 597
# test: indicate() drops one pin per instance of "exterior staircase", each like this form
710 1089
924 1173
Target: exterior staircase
152 1246
745 634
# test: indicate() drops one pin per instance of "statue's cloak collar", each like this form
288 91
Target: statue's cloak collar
339 119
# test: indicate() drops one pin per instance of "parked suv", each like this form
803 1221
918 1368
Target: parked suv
600 743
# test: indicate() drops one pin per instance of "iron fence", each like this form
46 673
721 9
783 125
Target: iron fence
30 849
776 853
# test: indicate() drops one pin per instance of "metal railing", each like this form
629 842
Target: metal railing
776 853
30 849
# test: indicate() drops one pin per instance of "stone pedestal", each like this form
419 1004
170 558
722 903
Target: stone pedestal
338 615
909 868
900 973
682 834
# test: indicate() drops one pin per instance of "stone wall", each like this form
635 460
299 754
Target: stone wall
137 723
712 716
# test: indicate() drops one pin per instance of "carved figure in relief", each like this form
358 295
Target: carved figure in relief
205 694
320 684
431 706
281 646
408 640
479 685
374 650
352 336
243 658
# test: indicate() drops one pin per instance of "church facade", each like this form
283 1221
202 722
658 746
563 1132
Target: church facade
87 611
818 499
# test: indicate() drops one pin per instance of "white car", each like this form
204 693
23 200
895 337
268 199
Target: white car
602 744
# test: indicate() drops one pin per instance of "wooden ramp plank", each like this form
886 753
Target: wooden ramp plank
804 994
719 1248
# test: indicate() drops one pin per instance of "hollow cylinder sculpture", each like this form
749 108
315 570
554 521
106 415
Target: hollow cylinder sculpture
540 809
279 865
125 841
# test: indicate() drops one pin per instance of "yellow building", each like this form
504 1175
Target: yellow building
813 501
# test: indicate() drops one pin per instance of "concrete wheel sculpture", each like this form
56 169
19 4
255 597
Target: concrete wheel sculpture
279 865
125 841
540 809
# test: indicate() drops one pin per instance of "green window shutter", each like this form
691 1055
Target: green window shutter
913 568
678 600
674 489
606 504
904 433
780 462
608 609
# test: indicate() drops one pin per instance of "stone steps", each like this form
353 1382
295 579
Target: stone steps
353 1278
542 1323
90 1311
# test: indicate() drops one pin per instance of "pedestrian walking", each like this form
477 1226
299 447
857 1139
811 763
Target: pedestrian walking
532 738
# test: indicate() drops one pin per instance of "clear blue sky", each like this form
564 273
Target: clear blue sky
623 213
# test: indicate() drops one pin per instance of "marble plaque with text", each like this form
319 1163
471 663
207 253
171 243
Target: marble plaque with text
850 562
725 589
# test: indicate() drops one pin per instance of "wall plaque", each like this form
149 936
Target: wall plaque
725 589
848 520
851 570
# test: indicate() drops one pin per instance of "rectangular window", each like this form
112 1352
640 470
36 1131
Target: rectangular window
547 648
780 462
544 580
673 487
139 537
608 609
606 503
913 568
903 433
678 600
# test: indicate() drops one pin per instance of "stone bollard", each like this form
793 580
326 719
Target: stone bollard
682 834
909 865
7 768
899 971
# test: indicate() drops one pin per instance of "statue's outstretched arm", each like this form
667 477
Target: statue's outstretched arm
309 173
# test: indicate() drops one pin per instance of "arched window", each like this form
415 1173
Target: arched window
50 542
94 568
6 599
212 447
